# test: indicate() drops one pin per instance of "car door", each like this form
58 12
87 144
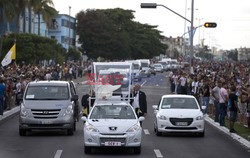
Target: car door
76 102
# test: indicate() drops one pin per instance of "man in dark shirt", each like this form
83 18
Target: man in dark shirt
2 95
206 95
233 108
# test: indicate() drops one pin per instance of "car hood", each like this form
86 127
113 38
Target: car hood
46 104
104 125
180 113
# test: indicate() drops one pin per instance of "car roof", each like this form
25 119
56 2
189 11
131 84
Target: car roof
177 96
114 103
55 83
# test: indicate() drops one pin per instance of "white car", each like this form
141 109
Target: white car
111 124
158 68
178 113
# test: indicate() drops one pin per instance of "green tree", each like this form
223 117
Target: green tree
42 7
32 48
233 54
113 34
73 54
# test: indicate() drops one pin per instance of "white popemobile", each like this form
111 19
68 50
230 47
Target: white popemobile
112 122
178 113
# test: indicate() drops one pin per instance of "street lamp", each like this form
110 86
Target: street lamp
154 5
69 29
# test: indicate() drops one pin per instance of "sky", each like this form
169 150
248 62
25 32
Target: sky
232 18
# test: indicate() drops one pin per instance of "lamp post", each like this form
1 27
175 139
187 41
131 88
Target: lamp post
69 30
154 5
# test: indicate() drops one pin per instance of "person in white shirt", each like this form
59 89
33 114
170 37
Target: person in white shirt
223 98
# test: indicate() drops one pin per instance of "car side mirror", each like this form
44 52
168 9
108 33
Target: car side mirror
20 97
141 119
155 107
84 118
75 98
203 108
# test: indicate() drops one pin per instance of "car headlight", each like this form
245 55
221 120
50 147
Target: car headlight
23 111
68 111
199 118
162 117
134 128
91 128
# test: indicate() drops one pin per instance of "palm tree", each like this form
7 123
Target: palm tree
19 7
7 9
44 8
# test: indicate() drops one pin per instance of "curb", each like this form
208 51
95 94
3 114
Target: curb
10 113
235 136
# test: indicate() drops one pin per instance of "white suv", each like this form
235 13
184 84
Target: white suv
178 113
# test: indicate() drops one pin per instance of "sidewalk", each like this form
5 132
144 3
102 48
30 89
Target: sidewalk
226 131
14 111
10 113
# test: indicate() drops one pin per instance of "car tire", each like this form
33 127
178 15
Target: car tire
87 150
70 131
74 126
22 132
137 150
201 134
157 133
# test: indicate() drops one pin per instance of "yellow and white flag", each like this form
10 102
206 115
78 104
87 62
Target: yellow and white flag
9 56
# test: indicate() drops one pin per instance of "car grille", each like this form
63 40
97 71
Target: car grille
122 140
45 113
175 120
181 128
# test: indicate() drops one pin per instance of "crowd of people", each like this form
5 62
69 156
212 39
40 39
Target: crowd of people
222 87
14 78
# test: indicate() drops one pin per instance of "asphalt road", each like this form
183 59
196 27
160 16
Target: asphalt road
56 144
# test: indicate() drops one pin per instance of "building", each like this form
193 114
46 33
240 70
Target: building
63 29
179 44
243 54
26 23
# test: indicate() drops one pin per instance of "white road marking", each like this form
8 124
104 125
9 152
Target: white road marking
146 132
143 83
158 153
58 154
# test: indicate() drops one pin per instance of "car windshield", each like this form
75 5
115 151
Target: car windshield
157 65
144 64
163 63
47 93
112 112
179 103
136 66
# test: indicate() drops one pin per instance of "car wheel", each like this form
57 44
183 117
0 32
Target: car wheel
22 132
137 150
157 133
201 134
74 126
87 150
70 131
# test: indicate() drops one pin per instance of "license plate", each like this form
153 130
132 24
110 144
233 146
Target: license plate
112 143
46 122
181 123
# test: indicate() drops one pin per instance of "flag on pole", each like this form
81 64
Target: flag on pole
11 55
